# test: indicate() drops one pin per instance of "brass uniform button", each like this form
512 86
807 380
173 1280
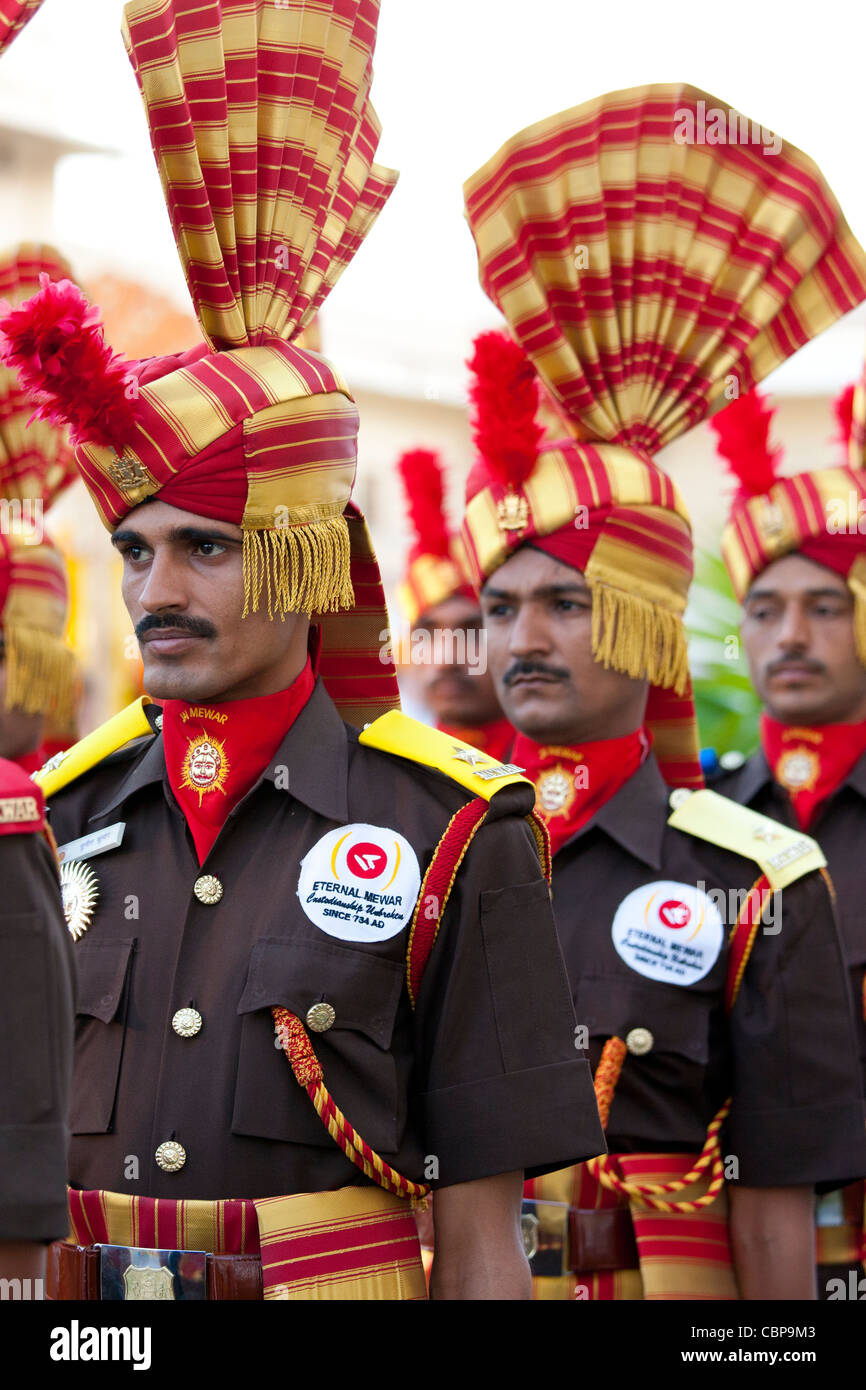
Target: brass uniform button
639 1041
321 1017
208 889
170 1156
187 1022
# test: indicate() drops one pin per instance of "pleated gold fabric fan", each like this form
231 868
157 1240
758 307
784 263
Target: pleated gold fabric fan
651 243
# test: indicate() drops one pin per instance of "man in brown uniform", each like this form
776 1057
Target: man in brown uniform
686 971
251 880
36 1020
447 648
795 549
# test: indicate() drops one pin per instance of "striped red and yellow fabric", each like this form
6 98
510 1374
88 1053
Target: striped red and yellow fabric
36 459
682 1255
641 257
36 466
819 514
357 1243
160 1223
642 267
265 139
14 14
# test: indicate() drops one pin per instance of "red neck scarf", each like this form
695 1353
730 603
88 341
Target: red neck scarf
572 784
494 739
215 753
810 762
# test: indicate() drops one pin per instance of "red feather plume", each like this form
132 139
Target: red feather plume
843 409
56 344
504 395
743 430
424 486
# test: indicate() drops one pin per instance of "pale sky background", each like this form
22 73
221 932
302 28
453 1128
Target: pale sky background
454 79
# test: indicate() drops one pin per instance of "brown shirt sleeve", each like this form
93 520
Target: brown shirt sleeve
36 1023
797 1114
499 1082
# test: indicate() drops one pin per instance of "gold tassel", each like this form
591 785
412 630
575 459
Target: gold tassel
298 569
41 673
641 639
857 585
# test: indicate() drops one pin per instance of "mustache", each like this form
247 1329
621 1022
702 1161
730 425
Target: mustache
178 622
533 668
808 664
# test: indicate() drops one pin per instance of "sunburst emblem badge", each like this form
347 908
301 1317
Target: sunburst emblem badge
205 765
80 889
555 791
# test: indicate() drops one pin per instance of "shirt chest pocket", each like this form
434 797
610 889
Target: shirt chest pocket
102 994
354 998
655 1020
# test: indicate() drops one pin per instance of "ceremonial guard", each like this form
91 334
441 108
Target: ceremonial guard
38 673
447 645
296 1015
639 274
36 1023
795 549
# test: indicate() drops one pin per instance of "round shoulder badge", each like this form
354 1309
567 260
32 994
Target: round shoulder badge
668 931
360 883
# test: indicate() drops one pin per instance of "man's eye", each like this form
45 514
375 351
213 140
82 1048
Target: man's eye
132 552
497 610
210 548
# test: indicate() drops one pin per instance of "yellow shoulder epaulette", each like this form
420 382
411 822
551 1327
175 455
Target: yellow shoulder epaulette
407 738
783 854
121 729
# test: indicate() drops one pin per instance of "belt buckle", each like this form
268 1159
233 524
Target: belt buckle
544 1226
132 1273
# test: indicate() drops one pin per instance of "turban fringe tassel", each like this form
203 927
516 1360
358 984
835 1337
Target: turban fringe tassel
638 637
298 569
41 673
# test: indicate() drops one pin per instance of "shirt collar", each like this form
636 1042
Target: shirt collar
857 776
744 784
311 763
636 817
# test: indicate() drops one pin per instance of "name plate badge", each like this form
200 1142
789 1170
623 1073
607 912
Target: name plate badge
96 843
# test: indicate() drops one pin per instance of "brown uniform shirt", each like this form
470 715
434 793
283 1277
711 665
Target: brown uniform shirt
785 1054
36 1023
482 1078
840 829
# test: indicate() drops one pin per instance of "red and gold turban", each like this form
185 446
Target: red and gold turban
436 568
819 514
265 137
640 268
14 14
36 465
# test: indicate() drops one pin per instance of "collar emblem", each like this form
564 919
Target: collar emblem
205 765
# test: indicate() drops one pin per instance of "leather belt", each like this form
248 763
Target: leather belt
559 1239
74 1272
